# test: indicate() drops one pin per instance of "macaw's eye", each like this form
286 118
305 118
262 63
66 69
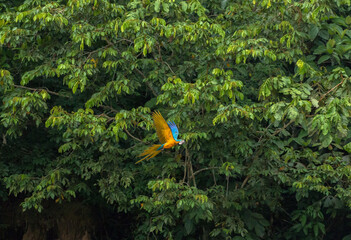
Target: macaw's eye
181 142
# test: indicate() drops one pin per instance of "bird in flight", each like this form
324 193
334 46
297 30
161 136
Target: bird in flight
167 134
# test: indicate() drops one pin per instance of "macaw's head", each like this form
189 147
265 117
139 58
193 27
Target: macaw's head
181 142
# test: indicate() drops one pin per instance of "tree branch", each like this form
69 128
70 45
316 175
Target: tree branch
4 139
336 86
147 83
281 129
109 44
130 135
169 67
245 181
259 149
204 169
161 59
110 108
40 89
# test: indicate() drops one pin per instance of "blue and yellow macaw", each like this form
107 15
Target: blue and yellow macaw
167 134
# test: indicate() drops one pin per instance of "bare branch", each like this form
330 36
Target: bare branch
159 52
110 108
109 119
331 90
161 59
169 67
261 146
184 176
125 129
281 129
4 139
227 189
40 89
204 169
214 177
147 83
245 181
109 44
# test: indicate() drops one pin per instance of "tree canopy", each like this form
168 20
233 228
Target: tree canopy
260 91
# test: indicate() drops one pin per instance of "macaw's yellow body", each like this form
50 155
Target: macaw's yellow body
167 134
171 143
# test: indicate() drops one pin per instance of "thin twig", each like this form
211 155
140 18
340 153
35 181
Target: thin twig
227 190
159 52
147 83
214 178
265 130
204 169
185 165
192 173
109 119
109 44
40 89
260 148
281 129
4 139
245 181
169 67
125 129
190 168
110 108
124 39
337 85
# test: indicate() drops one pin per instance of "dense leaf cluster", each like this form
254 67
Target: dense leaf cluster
261 92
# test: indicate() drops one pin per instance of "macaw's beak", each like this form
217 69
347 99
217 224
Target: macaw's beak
181 142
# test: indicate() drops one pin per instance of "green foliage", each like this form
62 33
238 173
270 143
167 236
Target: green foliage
261 92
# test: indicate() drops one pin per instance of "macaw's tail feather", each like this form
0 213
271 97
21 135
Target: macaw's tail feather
150 152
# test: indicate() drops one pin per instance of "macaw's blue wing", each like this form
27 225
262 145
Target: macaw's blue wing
174 129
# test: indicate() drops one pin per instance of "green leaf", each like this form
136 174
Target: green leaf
151 103
184 6
259 230
75 87
157 5
303 220
315 230
320 49
145 50
313 32
327 140
323 59
315 102
324 34
188 226
165 7
347 147
348 20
